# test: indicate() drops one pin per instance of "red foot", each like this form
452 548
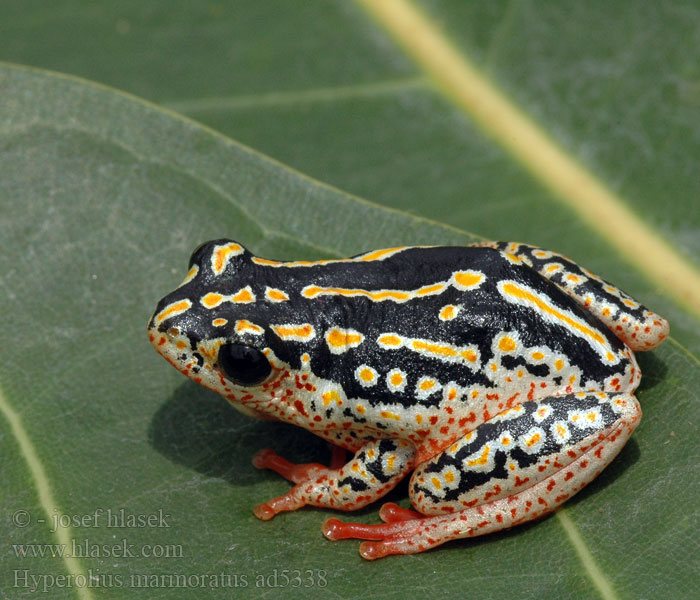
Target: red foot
391 513
335 529
269 459
395 537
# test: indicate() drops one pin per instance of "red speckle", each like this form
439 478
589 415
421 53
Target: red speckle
483 524
433 420
561 498
550 485
584 464
599 451
470 419
571 453
513 512
519 482
568 476
541 468
531 393
318 418
499 518
444 429
300 407
542 501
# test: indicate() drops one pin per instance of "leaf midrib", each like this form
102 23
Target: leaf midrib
471 91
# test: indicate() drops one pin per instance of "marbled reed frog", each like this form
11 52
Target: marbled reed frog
501 374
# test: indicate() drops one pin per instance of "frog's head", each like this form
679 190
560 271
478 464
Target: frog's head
212 327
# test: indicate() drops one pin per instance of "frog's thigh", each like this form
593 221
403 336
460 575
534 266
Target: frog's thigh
374 470
535 455
518 466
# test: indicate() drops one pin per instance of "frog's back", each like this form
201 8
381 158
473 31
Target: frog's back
421 318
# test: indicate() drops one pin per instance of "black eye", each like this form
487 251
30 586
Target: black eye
243 365
196 256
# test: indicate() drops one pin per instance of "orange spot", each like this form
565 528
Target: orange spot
389 340
276 295
482 460
173 309
219 322
534 439
343 339
430 289
223 254
434 348
507 344
313 291
266 262
366 375
212 299
469 355
380 254
243 296
467 279
448 312
427 384
396 380
300 333
243 326
389 415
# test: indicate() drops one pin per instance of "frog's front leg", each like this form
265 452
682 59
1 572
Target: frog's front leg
374 470
516 467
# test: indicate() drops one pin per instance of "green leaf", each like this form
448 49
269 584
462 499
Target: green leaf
103 197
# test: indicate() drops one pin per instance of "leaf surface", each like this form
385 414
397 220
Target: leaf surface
103 198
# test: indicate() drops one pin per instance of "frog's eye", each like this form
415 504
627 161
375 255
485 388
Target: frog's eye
196 256
243 365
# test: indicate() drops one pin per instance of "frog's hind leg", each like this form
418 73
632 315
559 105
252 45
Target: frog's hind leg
517 467
633 323
374 470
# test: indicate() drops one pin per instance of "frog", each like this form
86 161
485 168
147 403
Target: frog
499 375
